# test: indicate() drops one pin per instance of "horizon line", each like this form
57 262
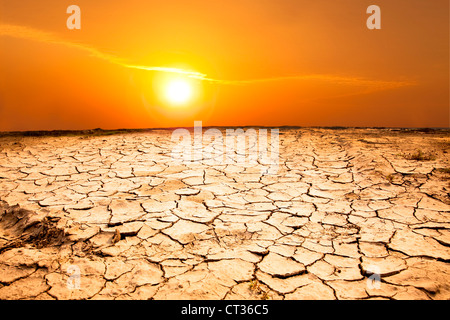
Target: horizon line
130 130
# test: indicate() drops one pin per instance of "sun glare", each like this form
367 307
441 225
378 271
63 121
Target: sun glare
178 91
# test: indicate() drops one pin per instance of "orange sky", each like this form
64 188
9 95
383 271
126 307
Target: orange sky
255 62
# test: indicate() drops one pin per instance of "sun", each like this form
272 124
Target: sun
178 91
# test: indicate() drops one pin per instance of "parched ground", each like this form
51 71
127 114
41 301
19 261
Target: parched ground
347 206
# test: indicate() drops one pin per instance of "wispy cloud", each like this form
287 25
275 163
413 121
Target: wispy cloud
27 33
32 34
190 74
335 79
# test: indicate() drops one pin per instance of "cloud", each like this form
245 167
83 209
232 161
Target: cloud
32 34
27 33
191 74
335 79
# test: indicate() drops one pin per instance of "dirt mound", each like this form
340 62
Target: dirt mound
19 226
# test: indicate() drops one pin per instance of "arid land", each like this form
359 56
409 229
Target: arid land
352 213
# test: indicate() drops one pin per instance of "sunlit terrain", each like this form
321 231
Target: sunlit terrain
345 203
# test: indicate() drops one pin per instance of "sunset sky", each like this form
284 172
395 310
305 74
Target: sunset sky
244 62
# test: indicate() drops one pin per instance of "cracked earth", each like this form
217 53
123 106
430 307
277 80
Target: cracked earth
344 204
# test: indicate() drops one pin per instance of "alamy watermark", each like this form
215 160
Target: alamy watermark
73 282
73 22
240 147
374 21
374 280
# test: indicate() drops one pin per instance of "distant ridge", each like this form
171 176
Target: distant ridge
107 132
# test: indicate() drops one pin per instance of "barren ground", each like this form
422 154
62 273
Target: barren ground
346 203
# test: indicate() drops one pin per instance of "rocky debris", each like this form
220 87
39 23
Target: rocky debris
20 226
347 216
